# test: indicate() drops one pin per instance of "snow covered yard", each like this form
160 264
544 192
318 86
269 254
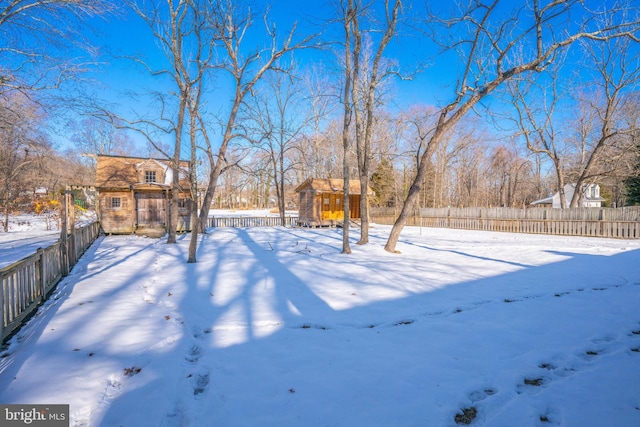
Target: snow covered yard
274 327
26 234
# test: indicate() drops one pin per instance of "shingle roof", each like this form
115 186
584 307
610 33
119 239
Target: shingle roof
116 171
120 171
330 185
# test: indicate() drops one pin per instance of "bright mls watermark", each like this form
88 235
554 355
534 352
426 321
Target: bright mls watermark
34 415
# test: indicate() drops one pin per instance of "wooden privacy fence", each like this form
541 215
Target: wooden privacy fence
591 222
26 284
251 221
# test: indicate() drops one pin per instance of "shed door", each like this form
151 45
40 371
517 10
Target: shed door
151 209
332 207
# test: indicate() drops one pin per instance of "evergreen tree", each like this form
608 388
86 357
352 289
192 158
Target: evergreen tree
382 184
633 189
632 185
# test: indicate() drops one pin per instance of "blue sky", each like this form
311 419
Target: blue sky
129 35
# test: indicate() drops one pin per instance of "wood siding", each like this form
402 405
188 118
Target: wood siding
321 202
150 209
119 219
143 205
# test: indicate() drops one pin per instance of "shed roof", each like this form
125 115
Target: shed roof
116 171
330 185
120 171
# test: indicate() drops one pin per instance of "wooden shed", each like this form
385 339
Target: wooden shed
321 202
134 193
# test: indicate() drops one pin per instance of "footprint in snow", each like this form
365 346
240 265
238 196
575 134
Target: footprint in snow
530 384
194 353
550 417
112 389
598 347
479 395
175 417
198 332
200 383
560 372
149 293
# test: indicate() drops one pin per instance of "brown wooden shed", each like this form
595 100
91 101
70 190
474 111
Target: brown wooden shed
133 195
321 202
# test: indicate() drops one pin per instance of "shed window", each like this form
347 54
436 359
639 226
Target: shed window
326 200
116 203
182 203
150 176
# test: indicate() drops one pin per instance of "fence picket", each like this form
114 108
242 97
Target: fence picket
25 284
591 222
251 221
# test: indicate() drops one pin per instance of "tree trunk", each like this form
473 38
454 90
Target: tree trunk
346 247
175 184
560 178
208 195
364 212
415 189
407 208
193 243
193 180
350 18
216 170
6 216
280 184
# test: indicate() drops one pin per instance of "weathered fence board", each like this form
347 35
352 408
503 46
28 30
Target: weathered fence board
25 284
622 223
251 221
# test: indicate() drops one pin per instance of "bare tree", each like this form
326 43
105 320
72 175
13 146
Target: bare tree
350 23
447 159
388 131
246 68
36 37
500 46
317 148
594 142
278 118
183 33
319 153
419 123
23 145
36 41
363 95
506 173
537 123
605 135
95 136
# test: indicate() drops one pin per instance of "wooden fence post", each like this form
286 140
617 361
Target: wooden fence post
43 275
71 206
1 307
64 247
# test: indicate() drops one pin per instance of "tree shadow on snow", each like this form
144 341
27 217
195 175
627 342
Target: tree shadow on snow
246 341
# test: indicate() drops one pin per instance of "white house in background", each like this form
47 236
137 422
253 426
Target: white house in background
590 199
